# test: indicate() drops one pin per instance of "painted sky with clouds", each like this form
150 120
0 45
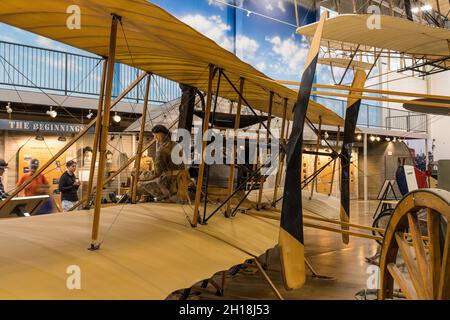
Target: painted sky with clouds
271 46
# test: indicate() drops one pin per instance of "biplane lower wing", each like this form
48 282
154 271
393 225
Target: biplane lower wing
149 252
351 117
291 227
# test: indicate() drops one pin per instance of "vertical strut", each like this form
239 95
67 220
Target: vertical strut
137 161
233 155
103 133
201 171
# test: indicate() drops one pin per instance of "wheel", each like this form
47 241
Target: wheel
424 251
381 222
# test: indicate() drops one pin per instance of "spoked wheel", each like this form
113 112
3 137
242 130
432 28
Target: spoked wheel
415 256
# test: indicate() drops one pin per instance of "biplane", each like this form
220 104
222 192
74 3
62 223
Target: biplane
158 248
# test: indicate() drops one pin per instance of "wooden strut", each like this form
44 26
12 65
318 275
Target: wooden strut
326 228
334 163
314 273
113 104
266 277
402 101
97 128
236 127
104 130
297 19
269 121
202 159
137 162
282 156
316 158
386 92
274 215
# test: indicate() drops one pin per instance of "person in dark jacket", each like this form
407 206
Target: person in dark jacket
68 185
3 193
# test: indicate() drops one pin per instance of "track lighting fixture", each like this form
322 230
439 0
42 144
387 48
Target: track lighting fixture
52 113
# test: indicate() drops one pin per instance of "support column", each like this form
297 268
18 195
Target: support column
104 130
202 159
233 157
282 155
137 161
98 125
269 121
366 186
316 158
335 160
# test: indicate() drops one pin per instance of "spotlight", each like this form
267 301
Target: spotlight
8 108
388 139
52 113
39 137
326 135
372 138
359 137
90 114
378 139
62 139
394 139
117 118
248 13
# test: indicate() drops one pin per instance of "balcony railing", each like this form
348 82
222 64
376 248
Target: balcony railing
55 71
372 116
73 74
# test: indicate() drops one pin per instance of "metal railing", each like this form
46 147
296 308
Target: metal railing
372 116
56 71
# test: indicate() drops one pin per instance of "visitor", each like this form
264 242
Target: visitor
3 193
68 185
33 188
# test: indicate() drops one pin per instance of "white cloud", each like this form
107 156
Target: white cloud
291 55
212 27
7 38
214 3
246 48
261 66
281 5
48 43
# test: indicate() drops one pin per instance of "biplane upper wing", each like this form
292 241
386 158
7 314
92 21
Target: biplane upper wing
151 39
396 34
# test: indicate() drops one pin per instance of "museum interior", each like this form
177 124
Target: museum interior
225 149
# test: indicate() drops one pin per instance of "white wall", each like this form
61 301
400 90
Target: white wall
440 125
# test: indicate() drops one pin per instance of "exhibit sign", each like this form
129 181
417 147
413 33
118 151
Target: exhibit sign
40 126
